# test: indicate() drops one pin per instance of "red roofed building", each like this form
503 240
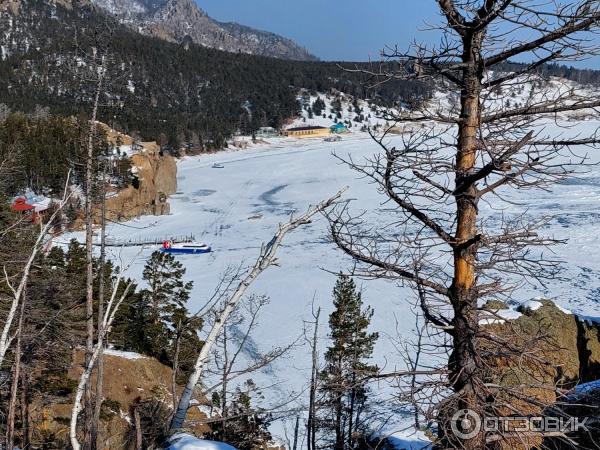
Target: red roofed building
20 205
31 205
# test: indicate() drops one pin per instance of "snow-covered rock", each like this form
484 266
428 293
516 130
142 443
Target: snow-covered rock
184 441
122 354
409 440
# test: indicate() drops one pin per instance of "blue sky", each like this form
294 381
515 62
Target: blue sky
343 30
332 30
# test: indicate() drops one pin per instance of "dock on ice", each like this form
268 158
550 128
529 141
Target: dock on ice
144 241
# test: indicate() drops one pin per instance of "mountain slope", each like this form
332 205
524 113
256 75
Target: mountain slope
182 95
182 20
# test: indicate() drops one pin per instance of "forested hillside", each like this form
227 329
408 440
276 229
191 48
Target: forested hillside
164 91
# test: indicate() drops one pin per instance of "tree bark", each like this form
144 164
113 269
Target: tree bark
339 392
109 316
138 428
465 365
101 287
296 430
312 409
25 409
89 284
176 366
351 411
16 373
224 379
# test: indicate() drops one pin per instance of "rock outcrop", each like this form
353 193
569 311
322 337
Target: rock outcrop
545 352
570 344
155 178
129 380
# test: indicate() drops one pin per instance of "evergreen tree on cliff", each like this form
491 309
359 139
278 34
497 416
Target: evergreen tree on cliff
159 309
344 392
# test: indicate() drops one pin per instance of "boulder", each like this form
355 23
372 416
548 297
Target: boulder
536 357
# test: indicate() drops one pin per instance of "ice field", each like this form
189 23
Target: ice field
236 208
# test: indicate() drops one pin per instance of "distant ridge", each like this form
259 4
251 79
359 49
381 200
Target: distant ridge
183 21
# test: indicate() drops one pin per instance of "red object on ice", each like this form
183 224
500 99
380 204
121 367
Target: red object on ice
20 205
167 244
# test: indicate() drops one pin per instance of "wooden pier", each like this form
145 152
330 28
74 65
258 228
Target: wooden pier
144 241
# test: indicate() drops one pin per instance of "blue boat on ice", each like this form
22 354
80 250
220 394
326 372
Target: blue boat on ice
185 249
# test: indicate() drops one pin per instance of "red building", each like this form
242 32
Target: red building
31 206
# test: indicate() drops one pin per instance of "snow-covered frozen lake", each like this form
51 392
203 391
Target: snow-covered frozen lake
236 208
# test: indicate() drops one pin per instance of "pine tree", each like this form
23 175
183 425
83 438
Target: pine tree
343 391
161 308
318 106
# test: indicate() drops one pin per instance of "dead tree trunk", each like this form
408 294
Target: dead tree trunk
89 254
465 153
296 432
178 331
311 438
224 383
25 398
16 374
101 286
109 315
138 428
465 364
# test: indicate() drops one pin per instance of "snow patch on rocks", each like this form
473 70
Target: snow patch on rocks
409 440
184 441
499 317
123 354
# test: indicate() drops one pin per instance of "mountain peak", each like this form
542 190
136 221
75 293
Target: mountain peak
184 20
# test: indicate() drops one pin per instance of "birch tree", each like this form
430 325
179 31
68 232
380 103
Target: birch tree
266 259
89 238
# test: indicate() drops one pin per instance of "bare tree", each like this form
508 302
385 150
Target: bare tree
16 375
101 287
112 306
98 78
266 259
468 154
311 426
233 344
89 238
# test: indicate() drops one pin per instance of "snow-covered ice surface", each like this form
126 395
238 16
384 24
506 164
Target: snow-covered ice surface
188 442
270 181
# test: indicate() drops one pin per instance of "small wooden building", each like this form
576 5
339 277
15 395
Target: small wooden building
339 128
307 132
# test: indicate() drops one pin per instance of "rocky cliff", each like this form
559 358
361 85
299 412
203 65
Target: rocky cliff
154 179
